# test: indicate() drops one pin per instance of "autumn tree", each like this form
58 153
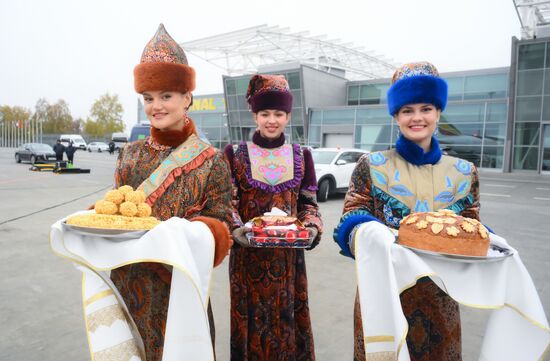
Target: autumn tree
14 114
105 116
55 118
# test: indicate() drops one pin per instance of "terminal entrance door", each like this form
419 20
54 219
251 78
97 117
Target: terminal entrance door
545 166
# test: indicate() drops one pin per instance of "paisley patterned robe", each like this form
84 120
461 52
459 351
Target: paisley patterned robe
269 300
202 191
388 187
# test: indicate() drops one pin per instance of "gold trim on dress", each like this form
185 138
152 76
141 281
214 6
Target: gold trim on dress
98 296
105 317
382 338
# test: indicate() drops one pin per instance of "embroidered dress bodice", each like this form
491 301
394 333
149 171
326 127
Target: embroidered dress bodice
271 166
420 188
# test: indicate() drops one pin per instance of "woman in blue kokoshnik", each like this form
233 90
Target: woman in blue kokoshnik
413 177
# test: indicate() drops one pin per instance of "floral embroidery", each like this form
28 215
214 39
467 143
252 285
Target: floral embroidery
449 182
379 177
463 166
421 206
463 186
445 197
401 190
377 158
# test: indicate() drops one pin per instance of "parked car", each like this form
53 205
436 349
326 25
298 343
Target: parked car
34 153
333 168
98 147
76 139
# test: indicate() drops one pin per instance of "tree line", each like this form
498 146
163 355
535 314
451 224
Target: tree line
105 117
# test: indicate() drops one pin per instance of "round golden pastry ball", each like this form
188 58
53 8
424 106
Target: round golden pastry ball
135 197
126 189
115 196
105 207
143 210
128 209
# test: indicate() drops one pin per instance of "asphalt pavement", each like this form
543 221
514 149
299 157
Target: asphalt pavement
41 310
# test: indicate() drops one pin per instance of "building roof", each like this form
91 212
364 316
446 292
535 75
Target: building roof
534 17
245 51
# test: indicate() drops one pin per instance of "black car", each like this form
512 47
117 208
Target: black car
34 153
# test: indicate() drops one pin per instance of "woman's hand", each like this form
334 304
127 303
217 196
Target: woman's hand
239 236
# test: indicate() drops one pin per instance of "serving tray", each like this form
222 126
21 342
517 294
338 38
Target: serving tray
494 254
116 234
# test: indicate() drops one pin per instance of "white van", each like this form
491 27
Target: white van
76 139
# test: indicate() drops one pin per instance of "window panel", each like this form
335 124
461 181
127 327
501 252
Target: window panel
232 103
353 92
495 133
527 134
293 80
230 86
456 88
314 134
490 86
497 112
526 158
528 108
211 120
546 108
470 153
373 116
241 85
531 56
373 134
463 113
296 99
339 116
530 82
316 116
493 157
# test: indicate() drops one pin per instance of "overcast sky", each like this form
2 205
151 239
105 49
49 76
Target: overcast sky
79 50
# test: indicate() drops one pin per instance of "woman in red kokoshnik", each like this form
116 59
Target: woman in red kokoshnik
269 300
200 190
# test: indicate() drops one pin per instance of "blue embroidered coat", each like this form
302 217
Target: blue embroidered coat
387 186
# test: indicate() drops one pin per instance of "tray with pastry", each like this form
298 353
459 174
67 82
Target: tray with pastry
277 231
121 214
444 234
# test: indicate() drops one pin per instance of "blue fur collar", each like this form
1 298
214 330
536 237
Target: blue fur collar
414 154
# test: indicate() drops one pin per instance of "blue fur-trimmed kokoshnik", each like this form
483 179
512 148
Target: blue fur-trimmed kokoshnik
417 89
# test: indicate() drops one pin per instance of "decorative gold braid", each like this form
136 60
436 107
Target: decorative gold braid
121 352
382 356
105 317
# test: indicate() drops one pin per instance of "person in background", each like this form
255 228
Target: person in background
70 150
59 149
269 299
414 177
111 147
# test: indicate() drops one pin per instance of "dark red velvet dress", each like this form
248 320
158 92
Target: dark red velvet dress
269 299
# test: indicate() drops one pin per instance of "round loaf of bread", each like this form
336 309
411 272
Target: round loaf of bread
444 232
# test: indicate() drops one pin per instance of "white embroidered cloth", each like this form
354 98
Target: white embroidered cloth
187 246
517 328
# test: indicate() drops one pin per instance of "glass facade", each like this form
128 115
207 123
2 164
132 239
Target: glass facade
472 127
240 119
532 106
209 114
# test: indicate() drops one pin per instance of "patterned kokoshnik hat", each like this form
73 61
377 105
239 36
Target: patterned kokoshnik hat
163 66
269 92
416 83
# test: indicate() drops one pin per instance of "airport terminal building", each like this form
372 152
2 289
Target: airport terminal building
497 118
